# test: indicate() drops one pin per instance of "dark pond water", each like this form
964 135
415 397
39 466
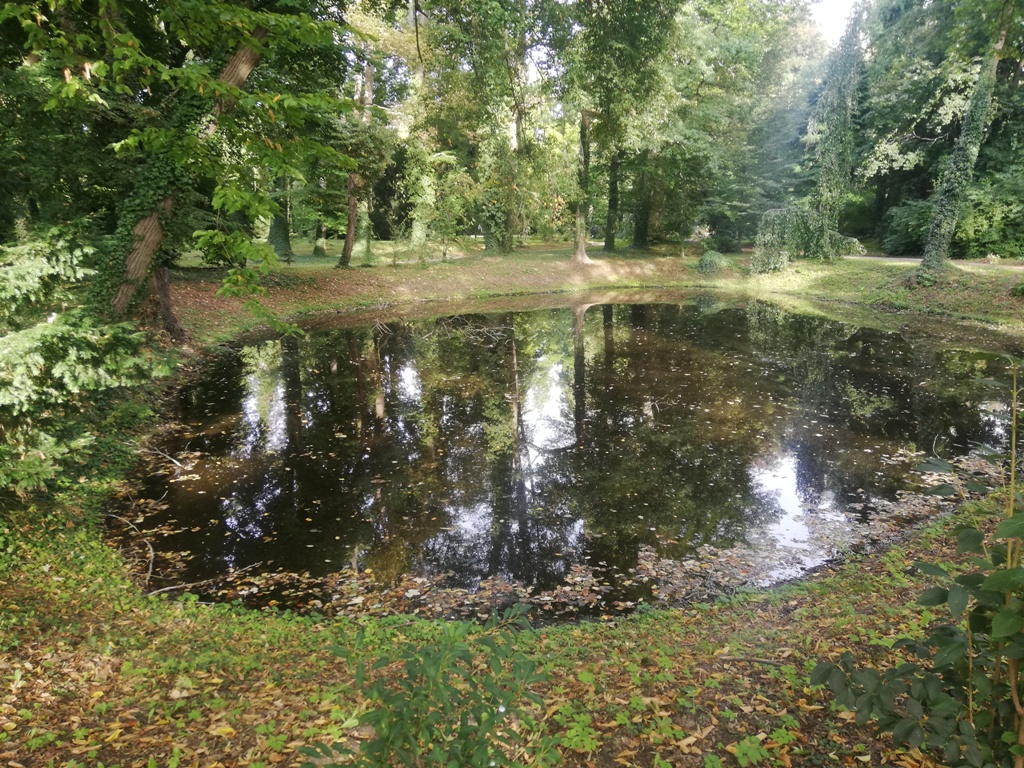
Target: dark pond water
585 458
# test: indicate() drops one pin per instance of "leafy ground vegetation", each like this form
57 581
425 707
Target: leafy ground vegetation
95 673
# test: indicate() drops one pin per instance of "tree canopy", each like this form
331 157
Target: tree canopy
139 136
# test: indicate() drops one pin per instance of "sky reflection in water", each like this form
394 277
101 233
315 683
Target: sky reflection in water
518 445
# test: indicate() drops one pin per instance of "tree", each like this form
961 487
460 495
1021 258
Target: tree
167 88
55 356
811 227
956 176
936 87
614 72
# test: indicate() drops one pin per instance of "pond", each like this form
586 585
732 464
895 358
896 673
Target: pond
585 458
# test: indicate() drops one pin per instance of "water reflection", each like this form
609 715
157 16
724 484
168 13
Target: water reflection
521 446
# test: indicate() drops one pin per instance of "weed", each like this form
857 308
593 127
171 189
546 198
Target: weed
455 704
750 751
578 736
711 262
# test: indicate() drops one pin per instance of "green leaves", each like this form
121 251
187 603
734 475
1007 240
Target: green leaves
969 540
453 703
1007 622
958 598
51 359
1012 527
35 273
1005 580
933 596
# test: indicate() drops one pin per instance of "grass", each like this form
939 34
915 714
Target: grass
969 291
93 672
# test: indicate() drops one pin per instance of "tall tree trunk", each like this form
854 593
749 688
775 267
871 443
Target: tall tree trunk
363 98
956 176
160 287
583 202
280 237
345 260
148 232
642 207
364 232
416 152
319 239
611 225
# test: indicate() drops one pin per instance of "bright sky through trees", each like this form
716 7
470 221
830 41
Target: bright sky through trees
831 17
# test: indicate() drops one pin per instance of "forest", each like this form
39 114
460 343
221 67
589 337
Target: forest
178 178
140 138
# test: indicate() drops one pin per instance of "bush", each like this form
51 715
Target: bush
990 220
711 262
54 359
1018 290
905 228
458 701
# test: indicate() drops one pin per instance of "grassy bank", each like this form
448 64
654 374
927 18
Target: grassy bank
95 673
970 291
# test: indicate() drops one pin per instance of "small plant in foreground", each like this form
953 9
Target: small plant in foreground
750 751
961 689
579 735
458 702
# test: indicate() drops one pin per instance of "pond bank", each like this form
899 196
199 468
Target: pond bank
970 291
93 673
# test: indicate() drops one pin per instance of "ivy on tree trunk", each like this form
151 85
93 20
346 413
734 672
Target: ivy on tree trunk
612 221
279 237
148 232
364 98
583 202
957 175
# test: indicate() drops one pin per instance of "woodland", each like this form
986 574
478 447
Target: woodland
136 138
162 163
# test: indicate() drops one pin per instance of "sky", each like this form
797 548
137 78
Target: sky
831 16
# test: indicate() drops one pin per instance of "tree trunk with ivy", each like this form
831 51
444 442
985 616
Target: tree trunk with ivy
612 221
956 176
279 237
319 239
148 232
642 206
363 99
583 202
160 288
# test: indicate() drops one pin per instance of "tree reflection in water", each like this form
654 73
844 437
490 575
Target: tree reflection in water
521 445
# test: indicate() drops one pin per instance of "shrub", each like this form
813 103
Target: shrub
711 262
458 701
54 357
905 228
